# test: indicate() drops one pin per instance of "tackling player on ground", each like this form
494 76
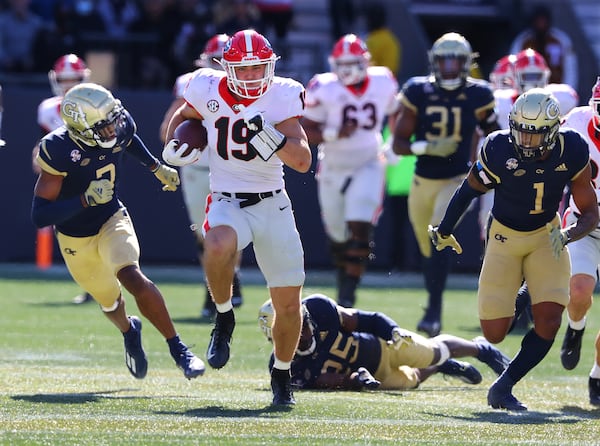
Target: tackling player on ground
352 349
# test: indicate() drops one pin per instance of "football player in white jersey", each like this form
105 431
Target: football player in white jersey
253 128
194 177
345 112
68 70
584 253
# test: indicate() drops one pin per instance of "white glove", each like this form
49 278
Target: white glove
558 239
399 338
167 176
364 379
173 153
267 139
99 192
442 147
440 242
386 149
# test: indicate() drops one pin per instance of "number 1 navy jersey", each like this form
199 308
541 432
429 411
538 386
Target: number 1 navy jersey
528 194
79 164
443 113
337 351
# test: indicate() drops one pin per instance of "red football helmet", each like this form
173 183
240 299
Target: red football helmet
68 71
349 59
248 48
595 104
503 74
212 52
531 70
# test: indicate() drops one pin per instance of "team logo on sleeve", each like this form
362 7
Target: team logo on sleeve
75 155
512 163
212 106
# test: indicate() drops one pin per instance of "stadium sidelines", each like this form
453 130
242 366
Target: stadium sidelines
249 275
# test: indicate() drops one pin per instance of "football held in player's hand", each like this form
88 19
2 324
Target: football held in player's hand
193 133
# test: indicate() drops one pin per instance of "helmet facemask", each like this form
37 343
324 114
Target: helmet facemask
450 59
250 51
94 117
534 123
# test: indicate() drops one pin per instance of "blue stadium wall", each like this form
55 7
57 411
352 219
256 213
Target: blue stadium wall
159 217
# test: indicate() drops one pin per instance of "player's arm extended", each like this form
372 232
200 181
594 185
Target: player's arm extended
358 380
372 322
585 198
470 188
295 153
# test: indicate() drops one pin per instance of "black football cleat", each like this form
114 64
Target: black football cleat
594 389
135 357
282 388
461 370
431 328
190 364
571 348
220 340
490 355
83 298
208 309
500 397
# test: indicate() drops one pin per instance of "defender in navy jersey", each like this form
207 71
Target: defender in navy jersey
343 348
528 167
76 192
442 112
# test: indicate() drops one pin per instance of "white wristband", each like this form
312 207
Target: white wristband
329 134
418 147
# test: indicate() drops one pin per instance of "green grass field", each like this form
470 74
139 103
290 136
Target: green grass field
64 382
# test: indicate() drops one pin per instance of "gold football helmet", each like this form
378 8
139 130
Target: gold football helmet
94 117
534 123
265 319
450 59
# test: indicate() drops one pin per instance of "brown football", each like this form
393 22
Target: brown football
193 133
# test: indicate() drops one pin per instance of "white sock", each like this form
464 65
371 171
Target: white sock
282 365
576 325
595 373
224 308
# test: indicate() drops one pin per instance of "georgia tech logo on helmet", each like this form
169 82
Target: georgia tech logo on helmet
71 110
552 111
75 155
213 106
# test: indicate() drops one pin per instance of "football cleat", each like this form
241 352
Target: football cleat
282 388
571 348
500 397
191 365
594 389
220 340
83 298
490 355
135 357
461 370
432 328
